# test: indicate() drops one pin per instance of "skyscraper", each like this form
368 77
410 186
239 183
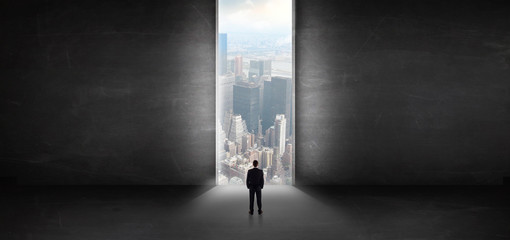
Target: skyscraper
287 157
282 99
277 100
246 103
269 137
225 91
267 108
259 68
266 157
225 124
253 73
247 142
236 128
262 80
222 53
280 124
265 67
231 63
238 66
220 139
231 148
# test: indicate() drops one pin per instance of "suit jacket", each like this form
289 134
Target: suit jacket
255 178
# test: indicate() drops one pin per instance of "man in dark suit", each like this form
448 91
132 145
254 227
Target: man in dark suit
255 182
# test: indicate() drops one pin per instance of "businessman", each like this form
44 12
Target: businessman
255 182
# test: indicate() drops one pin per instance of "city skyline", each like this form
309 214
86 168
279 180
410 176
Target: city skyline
254 91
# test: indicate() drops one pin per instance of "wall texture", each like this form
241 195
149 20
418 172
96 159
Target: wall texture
122 92
107 92
402 92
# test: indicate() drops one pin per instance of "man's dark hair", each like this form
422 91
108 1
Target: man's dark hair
255 163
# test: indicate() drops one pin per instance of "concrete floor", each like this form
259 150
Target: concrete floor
195 212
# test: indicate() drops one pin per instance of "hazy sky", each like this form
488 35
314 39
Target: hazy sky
255 16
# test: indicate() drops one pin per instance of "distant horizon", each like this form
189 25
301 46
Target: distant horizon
255 33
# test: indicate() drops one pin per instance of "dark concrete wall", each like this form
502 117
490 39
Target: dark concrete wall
107 92
402 92
122 92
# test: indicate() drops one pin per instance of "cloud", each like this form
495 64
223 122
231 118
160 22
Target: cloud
249 2
256 16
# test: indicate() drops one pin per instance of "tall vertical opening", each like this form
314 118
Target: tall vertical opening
255 90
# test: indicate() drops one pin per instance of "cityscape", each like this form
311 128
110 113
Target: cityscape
254 106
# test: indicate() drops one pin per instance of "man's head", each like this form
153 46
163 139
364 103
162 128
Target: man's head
255 163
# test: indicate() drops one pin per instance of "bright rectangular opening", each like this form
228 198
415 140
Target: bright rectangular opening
255 90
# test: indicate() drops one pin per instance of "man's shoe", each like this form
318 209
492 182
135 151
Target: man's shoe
260 212
250 212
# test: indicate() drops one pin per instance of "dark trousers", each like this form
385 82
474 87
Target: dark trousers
258 192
